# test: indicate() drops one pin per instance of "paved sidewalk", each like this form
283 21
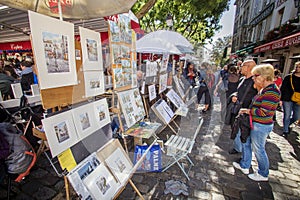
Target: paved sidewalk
212 177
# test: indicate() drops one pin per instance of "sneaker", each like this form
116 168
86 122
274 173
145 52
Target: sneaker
257 177
285 134
238 166
233 151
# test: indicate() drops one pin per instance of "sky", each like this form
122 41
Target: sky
227 22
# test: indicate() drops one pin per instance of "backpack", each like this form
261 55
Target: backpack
21 156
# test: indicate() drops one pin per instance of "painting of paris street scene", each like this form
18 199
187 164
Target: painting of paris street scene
92 49
56 52
61 131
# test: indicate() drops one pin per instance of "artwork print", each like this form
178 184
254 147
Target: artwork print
101 183
114 31
175 99
163 80
60 132
84 119
151 69
164 63
94 83
91 49
101 112
132 106
152 92
81 172
54 50
119 165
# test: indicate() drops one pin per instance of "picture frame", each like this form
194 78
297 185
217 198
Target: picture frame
120 165
101 112
84 120
54 50
60 132
91 49
82 171
163 111
93 83
17 90
101 183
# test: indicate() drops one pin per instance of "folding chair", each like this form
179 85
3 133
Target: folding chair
178 147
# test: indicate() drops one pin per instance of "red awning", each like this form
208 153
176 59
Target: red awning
279 44
15 46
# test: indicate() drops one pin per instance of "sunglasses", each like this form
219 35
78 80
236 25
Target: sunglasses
256 75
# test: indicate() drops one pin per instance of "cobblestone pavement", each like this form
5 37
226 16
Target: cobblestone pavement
212 177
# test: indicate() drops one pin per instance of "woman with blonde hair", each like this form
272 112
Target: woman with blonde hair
262 110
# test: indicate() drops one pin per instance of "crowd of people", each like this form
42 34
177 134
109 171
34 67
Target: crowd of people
255 91
16 70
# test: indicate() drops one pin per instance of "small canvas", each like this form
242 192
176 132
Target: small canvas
91 49
101 183
119 165
60 132
93 83
35 90
54 50
17 90
84 120
151 69
163 111
101 112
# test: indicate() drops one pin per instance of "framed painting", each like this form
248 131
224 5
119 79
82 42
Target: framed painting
60 132
17 90
84 120
119 164
91 49
101 183
54 50
101 112
93 83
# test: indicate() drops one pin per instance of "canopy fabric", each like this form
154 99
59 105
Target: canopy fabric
75 9
155 45
184 49
170 36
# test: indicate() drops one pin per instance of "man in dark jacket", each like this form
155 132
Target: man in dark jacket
243 88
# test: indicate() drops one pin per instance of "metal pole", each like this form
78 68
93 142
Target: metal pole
60 10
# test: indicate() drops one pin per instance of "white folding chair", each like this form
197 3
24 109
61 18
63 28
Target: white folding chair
178 147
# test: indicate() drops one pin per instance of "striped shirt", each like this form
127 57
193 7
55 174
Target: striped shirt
264 104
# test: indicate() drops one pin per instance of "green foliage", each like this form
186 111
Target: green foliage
197 20
219 48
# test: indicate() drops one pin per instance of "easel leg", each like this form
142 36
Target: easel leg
67 188
135 188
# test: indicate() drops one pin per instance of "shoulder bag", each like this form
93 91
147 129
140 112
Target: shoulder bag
296 95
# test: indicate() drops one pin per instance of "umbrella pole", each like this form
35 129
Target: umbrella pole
59 10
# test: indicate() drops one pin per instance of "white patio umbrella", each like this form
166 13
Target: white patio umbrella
170 36
270 60
155 45
75 9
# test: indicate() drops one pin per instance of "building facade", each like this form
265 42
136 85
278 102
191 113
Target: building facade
267 29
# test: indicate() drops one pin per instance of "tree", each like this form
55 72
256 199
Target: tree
197 20
219 50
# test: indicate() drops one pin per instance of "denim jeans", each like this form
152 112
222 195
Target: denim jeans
257 142
237 143
291 113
